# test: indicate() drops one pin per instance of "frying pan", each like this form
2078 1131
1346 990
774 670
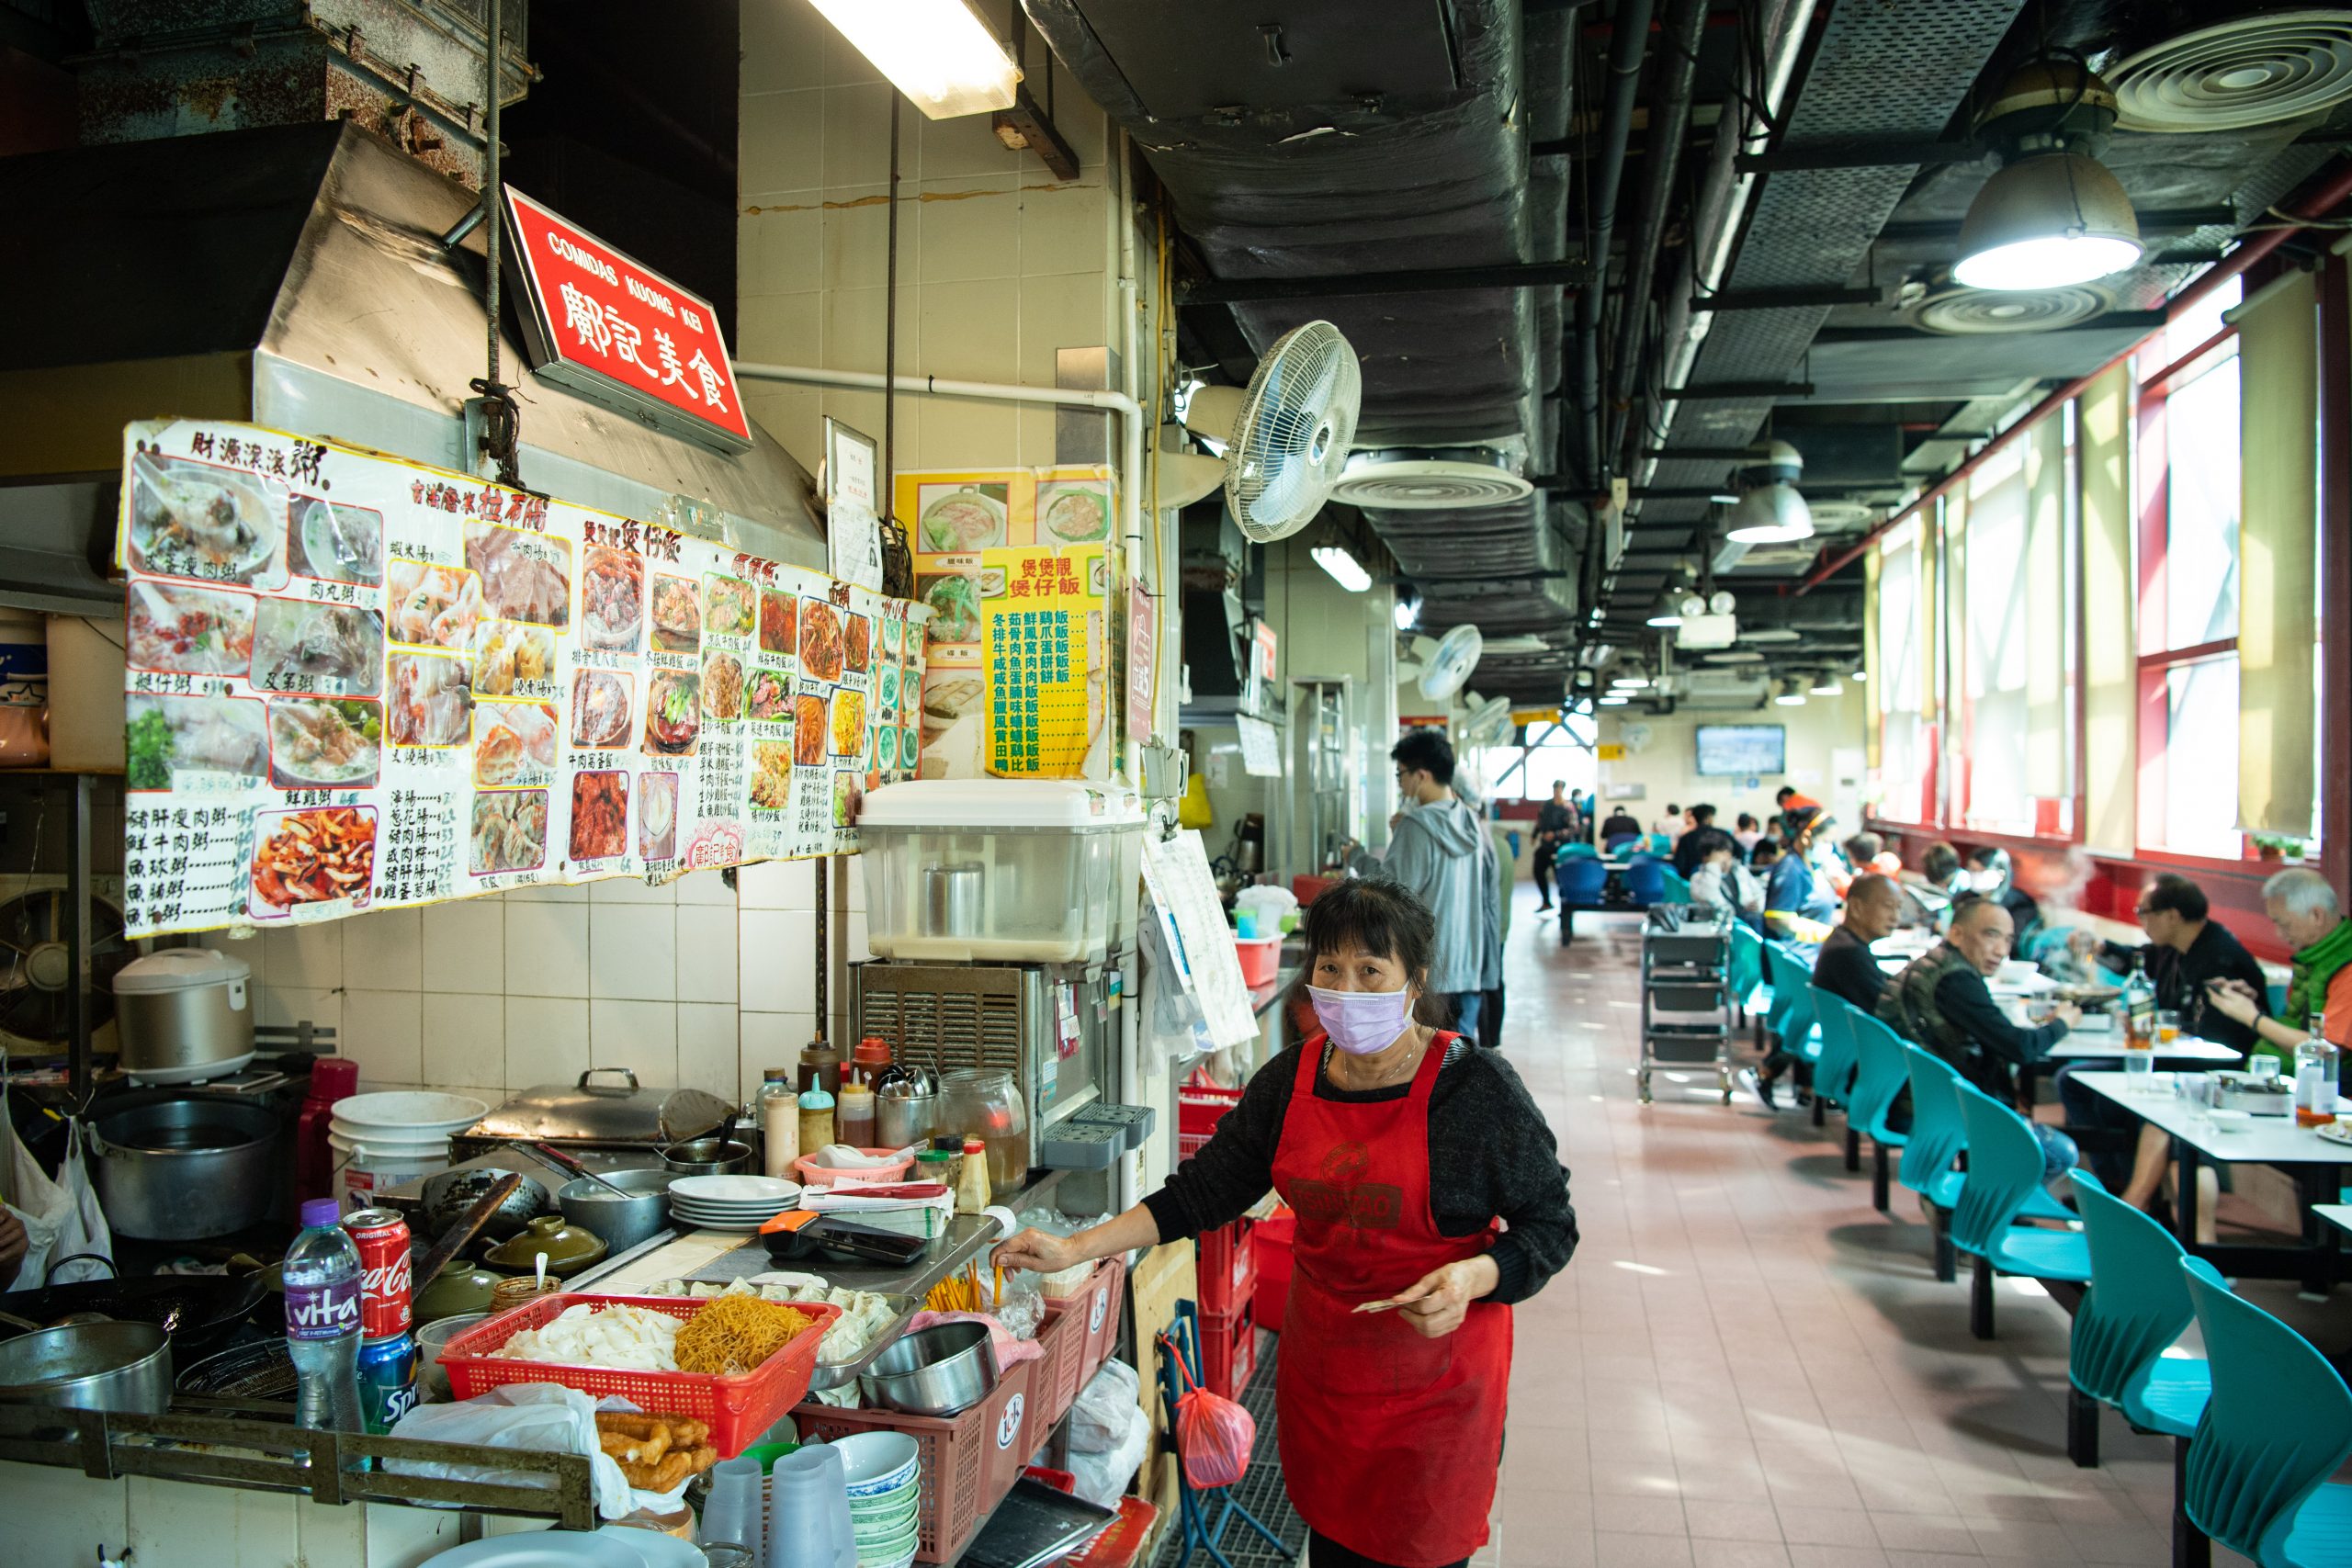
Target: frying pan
195 1310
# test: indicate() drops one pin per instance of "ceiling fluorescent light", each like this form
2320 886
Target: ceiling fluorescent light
1344 567
1614 702
940 53
1827 686
1790 697
1630 683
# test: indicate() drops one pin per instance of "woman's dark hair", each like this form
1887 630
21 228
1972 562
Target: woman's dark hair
1766 851
1705 841
1747 822
1426 749
1939 863
1382 917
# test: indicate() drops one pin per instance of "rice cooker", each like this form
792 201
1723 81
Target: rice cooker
183 1014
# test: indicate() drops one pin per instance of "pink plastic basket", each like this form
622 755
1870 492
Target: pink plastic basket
814 1174
738 1408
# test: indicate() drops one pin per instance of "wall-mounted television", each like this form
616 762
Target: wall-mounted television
1742 750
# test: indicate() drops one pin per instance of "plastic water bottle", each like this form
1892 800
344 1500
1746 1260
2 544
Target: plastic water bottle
322 1284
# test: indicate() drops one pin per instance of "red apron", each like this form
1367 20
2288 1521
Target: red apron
1390 1441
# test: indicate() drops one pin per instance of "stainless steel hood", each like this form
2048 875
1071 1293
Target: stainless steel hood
293 276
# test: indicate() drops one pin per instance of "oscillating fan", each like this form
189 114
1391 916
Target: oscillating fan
1487 722
36 982
1447 668
1286 437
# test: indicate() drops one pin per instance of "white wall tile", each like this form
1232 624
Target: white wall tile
640 1036
705 887
779 134
630 890
308 957
381 1032
282 1007
547 950
632 952
464 1040
250 949
384 950
771 1040
858 951
547 1041
706 954
777 964
707 1046
465 945
548 892
777 884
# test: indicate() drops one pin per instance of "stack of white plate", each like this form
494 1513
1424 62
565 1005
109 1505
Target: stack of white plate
741 1204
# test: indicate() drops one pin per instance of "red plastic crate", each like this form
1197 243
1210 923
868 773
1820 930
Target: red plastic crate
969 1461
1227 1266
1102 1297
1199 1108
1062 1370
738 1408
1228 1351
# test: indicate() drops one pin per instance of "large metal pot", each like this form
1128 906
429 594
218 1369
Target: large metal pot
184 1014
622 1222
89 1366
940 1371
189 1167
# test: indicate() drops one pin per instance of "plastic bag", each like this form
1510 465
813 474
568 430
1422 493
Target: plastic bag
1213 1433
1102 1478
542 1416
1098 1420
61 1218
1023 1310
1011 1351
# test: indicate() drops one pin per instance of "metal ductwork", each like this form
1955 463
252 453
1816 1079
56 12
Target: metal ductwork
1382 137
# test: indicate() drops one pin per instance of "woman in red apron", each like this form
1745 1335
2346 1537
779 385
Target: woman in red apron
1430 1198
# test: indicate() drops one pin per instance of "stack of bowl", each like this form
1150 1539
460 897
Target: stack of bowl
884 1473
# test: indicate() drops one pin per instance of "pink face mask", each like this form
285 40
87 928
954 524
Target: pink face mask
1361 1022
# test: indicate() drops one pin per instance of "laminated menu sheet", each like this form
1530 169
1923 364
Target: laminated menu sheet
1184 898
355 682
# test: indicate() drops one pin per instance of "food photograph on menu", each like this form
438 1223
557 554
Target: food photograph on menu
333 649
431 702
206 521
672 714
325 742
189 631
599 816
514 745
510 832
166 735
525 576
732 609
821 641
612 600
336 544
722 688
657 815
432 606
600 708
313 857
678 614
511 658
778 621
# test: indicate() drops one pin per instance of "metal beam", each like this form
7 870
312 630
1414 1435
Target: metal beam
1423 280
1741 391
1785 298
1856 155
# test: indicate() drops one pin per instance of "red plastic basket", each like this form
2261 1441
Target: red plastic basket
1062 1372
1100 1298
1228 1351
1122 1541
1227 1266
967 1462
1199 1108
738 1408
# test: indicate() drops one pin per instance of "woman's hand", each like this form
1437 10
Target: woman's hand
1436 1305
1039 1252
13 1244
2233 999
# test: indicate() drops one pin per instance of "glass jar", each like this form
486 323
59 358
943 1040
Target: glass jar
2316 1068
982 1102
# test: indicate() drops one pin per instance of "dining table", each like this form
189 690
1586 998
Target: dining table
2201 1136
2183 1053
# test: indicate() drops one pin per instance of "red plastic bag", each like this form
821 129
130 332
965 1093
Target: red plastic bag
1213 1433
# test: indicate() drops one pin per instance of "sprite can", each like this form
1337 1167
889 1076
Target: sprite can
387 1381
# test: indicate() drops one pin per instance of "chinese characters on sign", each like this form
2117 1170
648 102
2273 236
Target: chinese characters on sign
1014 568
355 683
609 328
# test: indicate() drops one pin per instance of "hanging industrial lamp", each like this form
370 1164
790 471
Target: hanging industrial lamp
1769 511
2053 216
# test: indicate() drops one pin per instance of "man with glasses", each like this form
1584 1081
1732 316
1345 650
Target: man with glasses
1438 849
2186 952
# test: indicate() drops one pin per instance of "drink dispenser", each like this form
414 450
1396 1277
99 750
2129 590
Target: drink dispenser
1000 870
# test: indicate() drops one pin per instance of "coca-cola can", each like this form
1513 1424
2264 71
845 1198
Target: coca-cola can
382 1238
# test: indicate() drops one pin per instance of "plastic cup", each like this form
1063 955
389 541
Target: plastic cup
732 1512
808 1518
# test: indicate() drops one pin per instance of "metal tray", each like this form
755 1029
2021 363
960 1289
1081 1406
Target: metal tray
839 1374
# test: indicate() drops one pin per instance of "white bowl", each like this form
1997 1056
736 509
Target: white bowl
874 1464
406 1113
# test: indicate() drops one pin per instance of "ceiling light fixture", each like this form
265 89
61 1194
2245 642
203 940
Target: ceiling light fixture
1630 683
1769 511
940 53
1790 697
1345 569
1827 686
1667 612
1696 605
1614 702
1408 608
2051 215
1863 676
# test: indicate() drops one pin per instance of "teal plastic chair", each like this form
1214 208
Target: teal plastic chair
1576 850
2137 1307
1790 1017
1931 1163
1833 1068
2278 1426
1749 986
1881 1071
1678 887
2003 1171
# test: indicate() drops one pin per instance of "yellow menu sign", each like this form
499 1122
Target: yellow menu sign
1014 564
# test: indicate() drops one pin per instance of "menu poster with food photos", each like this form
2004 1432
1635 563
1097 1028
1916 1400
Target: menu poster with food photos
1015 567
354 682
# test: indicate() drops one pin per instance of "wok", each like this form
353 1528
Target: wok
195 1310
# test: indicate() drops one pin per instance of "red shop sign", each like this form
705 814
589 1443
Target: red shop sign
611 329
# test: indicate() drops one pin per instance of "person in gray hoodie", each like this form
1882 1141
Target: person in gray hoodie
1438 849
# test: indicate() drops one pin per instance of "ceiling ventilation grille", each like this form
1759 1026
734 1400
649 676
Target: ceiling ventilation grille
1831 516
2250 70
1420 479
1975 312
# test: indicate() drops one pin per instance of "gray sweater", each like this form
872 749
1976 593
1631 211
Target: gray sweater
1440 853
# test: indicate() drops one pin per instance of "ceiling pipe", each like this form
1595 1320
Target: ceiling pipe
1633 24
2334 188
1669 124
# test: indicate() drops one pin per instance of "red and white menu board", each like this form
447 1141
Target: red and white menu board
355 683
